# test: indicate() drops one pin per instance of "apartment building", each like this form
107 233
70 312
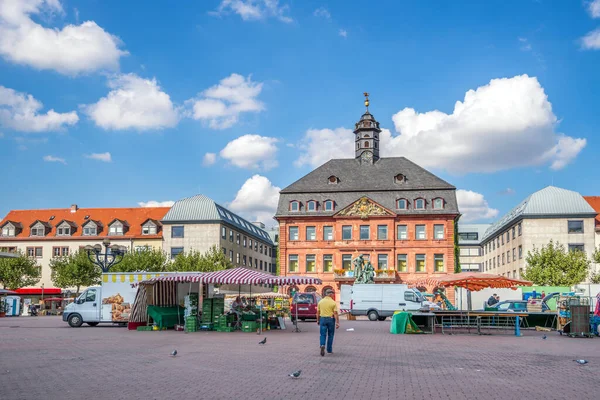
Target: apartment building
470 249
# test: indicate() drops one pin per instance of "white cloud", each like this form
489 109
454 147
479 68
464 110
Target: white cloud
55 159
473 206
253 10
525 45
507 192
594 8
72 50
154 203
133 103
20 112
505 124
209 159
343 33
221 105
322 12
591 41
257 200
251 151
321 145
104 157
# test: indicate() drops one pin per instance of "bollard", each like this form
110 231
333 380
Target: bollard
517 325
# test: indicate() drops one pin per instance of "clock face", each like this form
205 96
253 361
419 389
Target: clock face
367 156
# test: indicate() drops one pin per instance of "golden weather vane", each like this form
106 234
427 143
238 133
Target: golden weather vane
366 100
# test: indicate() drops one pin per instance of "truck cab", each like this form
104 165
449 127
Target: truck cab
85 309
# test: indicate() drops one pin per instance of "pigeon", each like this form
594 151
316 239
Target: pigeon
174 353
264 341
544 337
296 374
581 362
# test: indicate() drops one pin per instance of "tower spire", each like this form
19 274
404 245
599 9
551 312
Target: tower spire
366 100
366 134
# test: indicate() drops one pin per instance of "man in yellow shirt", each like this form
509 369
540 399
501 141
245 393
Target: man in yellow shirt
328 319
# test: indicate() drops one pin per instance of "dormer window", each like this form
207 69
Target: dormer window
311 205
333 180
65 228
66 231
402 204
328 205
399 178
149 228
9 229
117 228
419 204
38 229
294 206
90 229
438 204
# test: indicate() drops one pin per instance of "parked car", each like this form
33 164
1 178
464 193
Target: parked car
304 305
515 306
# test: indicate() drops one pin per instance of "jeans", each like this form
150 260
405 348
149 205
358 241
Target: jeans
327 325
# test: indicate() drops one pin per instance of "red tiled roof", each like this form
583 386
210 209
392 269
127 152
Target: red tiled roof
594 201
134 217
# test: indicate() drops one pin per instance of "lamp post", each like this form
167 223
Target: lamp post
112 254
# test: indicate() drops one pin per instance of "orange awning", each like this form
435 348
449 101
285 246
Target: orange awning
470 280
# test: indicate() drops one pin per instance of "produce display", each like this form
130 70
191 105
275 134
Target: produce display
120 310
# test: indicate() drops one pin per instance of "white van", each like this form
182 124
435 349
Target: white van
378 301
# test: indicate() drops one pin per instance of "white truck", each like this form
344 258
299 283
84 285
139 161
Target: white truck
378 301
109 303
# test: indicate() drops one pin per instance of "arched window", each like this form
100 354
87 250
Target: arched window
329 205
367 136
292 289
366 145
419 204
325 289
294 206
402 204
334 179
357 146
399 178
310 289
311 206
438 203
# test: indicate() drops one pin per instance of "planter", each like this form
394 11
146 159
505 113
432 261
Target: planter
2 314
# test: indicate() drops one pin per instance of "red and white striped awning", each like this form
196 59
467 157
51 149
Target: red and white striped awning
181 278
294 280
236 276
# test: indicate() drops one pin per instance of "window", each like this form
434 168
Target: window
520 252
327 263
294 206
311 206
329 205
231 255
311 233
401 204
346 232
245 241
64 231
503 259
261 249
90 230
469 251
399 178
328 233
498 260
8 249
514 254
224 251
90 295
347 261
244 260
513 232
261 264
508 257
116 229
519 229
8 231
494 262
438 263
365 233
177 232
507 236
575 226
420 263
576 247
333 180
498 242
175 251
231 236
56 252
310 263
402 232
493 245
250 261
438 204
255 245
401 264
502 239
382 232
223 233
468 236
382 261
256 263
438 231
486 265
293 263
419 204
420 232
238 238
149 229
237 258
37 231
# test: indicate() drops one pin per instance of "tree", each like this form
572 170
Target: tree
75 270
552 265
147 260
212 260
18 272
595 277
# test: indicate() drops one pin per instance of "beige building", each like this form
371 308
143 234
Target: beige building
470 249
45 234
198 223
549 214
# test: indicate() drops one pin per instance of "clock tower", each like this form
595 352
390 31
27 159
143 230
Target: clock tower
366 137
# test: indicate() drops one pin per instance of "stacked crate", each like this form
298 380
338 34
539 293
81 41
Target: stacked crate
191 324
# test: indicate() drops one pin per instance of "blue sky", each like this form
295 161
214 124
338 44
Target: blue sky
237 98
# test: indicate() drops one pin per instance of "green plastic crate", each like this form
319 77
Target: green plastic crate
249 326
144 328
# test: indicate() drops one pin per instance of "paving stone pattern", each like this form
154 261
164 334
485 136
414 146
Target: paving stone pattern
41 357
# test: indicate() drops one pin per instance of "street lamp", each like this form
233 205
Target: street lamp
112 255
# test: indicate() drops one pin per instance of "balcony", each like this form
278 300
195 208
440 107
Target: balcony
385 275
342 275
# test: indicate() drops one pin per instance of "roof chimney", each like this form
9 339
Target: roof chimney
74 208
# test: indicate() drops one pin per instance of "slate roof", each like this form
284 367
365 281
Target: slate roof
549 202
373 181
201 208
470 228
